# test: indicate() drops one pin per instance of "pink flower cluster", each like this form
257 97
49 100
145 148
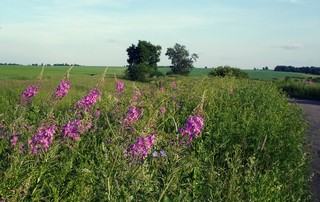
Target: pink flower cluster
62 89
28 94
192 128
43 139
140 149
89 100
72 130
120 86
131 117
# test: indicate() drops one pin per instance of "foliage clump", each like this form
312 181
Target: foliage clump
143 59
182 62
227 71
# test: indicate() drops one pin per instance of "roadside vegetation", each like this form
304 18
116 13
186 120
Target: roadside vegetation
84 135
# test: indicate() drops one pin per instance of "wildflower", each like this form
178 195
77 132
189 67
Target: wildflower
43 139
163 110
131 117
192 128
120 86
163 153
140 149
62 90
72 130
97 113
22 147
155 154
135 96
88 100
28 93
14 141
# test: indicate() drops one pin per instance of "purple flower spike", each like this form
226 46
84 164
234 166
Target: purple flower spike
131 117
140 149
120 86
72 130
62 90
43 139
14 141
192 128
28 93
88 100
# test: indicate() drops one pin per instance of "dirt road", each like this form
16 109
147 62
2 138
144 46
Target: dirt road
312 114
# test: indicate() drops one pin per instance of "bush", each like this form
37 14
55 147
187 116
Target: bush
227 71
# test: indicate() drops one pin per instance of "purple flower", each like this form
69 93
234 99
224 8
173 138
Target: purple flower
97 113
131 116
137 95
14 141
22 147
163 110
43 139
163 153
62 89
88 100
155 154
72 130
28 94
140 149
120 87
192 128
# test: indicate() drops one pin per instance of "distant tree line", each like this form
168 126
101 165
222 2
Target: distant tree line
306 70
9 64
36 64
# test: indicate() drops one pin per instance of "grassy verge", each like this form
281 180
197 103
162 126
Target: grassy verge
249 148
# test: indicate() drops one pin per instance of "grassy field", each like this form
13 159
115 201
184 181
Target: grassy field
30 72
174 139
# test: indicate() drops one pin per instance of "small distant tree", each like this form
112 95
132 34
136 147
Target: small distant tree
227 71
143 59
180 60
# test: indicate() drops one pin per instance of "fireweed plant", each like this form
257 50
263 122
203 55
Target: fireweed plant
175 139
31 91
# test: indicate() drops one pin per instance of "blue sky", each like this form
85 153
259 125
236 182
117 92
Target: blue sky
244 34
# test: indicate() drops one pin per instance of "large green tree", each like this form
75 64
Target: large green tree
143 59
182 62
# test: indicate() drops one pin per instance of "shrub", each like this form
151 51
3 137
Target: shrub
227 71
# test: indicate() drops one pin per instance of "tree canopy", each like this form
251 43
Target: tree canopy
143 59
182 62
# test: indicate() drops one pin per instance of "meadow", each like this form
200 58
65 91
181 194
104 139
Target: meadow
90 136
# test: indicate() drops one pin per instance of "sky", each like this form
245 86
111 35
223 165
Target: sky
241 33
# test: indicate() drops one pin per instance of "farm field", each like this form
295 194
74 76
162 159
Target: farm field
173 139
30 72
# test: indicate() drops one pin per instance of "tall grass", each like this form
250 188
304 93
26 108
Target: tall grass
300 88
250 147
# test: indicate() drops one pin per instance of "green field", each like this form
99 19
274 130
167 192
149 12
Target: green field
215 139
31 72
